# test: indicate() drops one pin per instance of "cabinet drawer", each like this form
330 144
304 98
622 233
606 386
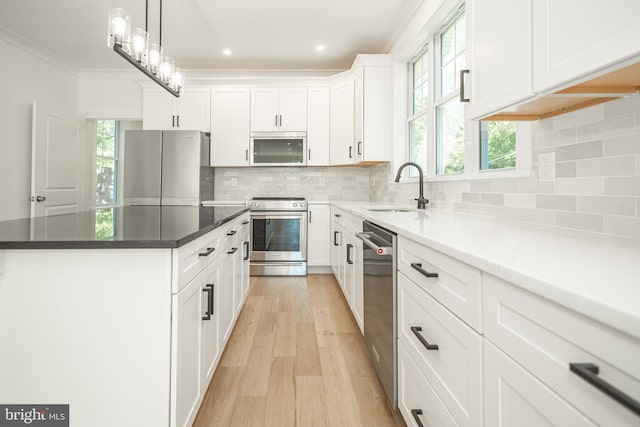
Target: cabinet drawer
515 398
416 398
457 286
193 257
545 338
453 370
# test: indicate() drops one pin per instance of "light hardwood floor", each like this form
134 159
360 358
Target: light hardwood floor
295 358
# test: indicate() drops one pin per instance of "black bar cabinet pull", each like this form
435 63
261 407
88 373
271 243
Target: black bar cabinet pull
231 233
360 148
246 155
173 121
208 252
418 266
280 119
416 416
309 153
232 251
351 152
276 120
589 372
416 331
349 247
337 215
246 253
245 222
178 121
462 97
209 290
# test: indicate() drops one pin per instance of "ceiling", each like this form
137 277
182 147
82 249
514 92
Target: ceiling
274 34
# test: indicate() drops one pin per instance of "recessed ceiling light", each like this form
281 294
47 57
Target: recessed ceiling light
226 52
320 47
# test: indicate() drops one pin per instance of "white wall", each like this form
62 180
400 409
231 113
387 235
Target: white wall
25 78
114 94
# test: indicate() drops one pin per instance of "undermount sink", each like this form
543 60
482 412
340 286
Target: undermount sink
390 210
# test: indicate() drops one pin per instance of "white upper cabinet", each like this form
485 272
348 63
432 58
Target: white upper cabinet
373 102
572 38
163 111
230 126
278 109
500 54
318 126
341 129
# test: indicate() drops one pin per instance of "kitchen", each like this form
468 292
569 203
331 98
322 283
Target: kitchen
556 232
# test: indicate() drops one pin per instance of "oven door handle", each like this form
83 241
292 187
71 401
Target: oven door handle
380 250
296 264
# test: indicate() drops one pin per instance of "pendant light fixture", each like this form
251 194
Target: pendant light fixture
134 46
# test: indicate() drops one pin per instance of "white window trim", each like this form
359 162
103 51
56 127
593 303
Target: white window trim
524 136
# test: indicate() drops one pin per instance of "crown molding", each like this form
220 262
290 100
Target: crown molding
37 51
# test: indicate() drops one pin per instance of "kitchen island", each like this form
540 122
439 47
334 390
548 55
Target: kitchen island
121 313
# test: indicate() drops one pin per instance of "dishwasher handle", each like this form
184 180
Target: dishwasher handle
380 250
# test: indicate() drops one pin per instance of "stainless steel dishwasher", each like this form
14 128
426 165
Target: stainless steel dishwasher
379 255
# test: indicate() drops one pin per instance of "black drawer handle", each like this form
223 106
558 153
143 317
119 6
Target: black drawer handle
245 222
246 253
232 251
349 247
209 290
337 215
231 233
589 373
208 252
418 266
416 331
416 416
335 238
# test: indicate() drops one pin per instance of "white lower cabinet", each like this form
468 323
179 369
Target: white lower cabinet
227 294
515 398
447 352
319 235
417 400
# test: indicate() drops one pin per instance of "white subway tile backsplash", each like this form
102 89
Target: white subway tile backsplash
483 186
608 128
580 186
565 169
504 212
580 221
578 118
607 205
471 197
554 138
492 199
622 106
622 186
520 200
529 185
628 144
504 186
556 202
584 150
536 216
622 226
606 166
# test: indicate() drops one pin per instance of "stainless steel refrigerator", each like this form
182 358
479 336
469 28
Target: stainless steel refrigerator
167 168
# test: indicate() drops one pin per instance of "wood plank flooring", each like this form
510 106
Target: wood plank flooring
295 358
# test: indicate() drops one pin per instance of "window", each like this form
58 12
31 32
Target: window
419 72
497 145
107 162
449 110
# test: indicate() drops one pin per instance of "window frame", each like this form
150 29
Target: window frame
426 49
472 171
119 134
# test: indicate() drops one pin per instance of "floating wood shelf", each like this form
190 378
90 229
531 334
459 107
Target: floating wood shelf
608 87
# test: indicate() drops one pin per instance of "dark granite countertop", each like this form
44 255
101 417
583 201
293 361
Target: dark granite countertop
127 227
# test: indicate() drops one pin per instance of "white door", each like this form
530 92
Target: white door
264 109
318 126
193 110
292 109
230 126
341 124
57 163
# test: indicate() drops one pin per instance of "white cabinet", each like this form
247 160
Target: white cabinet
163 111
230 126
341 128
337 245
319 235
278 109
227 294
501 67
210 340
373 101
572 38
515 398
318 126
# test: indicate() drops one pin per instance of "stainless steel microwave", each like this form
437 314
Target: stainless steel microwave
278 149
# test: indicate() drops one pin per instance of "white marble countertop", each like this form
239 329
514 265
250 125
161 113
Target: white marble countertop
594 274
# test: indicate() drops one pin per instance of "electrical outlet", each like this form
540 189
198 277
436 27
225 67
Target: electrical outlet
547 167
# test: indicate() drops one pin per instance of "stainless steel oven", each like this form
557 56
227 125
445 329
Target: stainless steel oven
278 237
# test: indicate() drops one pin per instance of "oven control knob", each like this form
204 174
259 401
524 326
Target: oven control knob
257 205
295 205
302 204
